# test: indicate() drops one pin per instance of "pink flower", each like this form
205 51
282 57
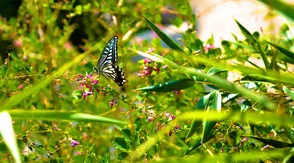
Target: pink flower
25 57
150 118
177 92
17 43
167 115
147 60
87 93
20 86
151 112
87 84
244 139
112 102
209 47
266 147
68 46
173 117
72 142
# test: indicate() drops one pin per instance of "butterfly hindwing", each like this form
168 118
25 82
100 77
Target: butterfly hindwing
107 63
115 73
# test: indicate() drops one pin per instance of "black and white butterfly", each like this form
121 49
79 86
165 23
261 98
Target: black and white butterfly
107 63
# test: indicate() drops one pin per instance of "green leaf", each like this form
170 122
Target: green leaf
51 115
77 94
283 50
245 156
198 144
87 7
120 143
246 33
122 155
42 69
252 117
167 40
209 102
215 70
245 105
229 97
170 86
7 132
285 8
196 123
3 70
272 142
213 104
127 134
289 92
253 41
79 9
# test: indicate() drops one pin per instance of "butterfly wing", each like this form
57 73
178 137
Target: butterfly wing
109 54
115 73
107 63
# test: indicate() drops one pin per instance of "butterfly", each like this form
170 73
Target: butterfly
106 64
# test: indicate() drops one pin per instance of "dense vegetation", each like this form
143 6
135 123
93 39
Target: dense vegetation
179 102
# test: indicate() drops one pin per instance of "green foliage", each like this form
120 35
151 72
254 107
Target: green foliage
179 104
174 85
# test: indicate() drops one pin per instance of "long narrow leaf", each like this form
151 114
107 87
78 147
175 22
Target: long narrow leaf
51 115
170 86
272 142
213 104
7 132
196 123
252 117
289 92
282 7
246 33
254 42
169 42
255 156
283 50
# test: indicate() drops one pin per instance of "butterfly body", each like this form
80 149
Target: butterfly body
107 63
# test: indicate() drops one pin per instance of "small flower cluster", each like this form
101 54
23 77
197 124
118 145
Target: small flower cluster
112 102
170 117
73 142
166 117
87 84
151 116
242 141
266 147
149 67
17 43
209 47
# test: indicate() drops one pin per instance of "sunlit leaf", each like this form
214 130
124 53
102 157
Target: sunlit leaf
170 86
7 132
169 42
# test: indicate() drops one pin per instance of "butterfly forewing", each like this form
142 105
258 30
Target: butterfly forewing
107 63
109 53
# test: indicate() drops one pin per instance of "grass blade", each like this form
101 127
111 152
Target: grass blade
51 115
7 132
169 42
